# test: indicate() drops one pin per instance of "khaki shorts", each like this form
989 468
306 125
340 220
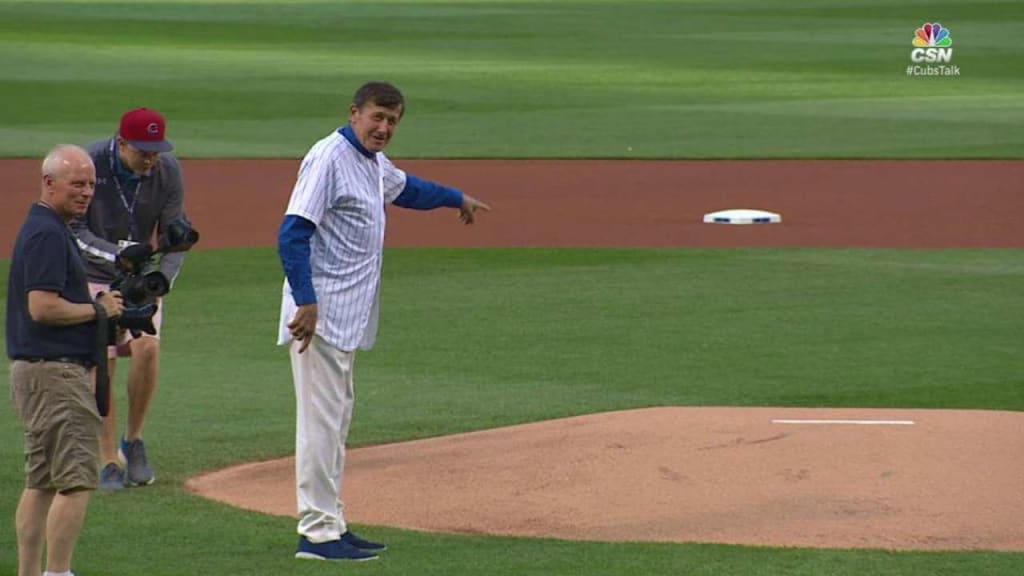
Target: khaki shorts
121 348
57 408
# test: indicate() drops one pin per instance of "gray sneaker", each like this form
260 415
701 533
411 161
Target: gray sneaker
111 478
139 472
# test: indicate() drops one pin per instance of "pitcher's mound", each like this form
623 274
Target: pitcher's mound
844 478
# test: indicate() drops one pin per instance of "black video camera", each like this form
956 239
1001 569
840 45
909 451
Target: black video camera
141 282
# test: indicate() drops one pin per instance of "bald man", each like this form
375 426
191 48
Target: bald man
52 343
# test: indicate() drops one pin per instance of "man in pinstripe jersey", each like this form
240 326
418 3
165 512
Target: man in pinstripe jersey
331 246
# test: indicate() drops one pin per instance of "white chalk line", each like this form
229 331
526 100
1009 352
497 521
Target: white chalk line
853 422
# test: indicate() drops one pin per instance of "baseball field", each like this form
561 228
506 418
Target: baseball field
593 294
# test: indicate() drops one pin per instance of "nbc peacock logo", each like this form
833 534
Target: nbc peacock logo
932 44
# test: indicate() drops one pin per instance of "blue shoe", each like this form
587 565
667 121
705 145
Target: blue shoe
331 550
111 478
137 468
353 540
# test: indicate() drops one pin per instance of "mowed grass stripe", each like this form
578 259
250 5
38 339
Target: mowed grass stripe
522 79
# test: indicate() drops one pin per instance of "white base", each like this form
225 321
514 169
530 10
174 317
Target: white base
742 216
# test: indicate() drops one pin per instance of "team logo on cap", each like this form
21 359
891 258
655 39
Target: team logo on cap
153 128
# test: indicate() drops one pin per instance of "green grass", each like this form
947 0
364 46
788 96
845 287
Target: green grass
474 339
640 79
477 339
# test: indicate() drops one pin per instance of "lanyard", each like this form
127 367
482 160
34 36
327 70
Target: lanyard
116 176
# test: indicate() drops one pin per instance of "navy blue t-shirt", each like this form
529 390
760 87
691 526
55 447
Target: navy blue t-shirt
46 257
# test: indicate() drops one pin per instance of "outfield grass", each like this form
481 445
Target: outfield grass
478 339
474 339
643 79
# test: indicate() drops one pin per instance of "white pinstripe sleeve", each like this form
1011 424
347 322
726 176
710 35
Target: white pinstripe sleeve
394 179
314 184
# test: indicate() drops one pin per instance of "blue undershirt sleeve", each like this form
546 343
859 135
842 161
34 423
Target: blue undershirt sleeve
293 239
420 194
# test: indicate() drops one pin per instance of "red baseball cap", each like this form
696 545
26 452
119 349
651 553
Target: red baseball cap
144 129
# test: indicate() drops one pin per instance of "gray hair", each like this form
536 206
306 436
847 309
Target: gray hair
60 158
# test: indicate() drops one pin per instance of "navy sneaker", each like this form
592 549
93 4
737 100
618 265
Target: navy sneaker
111 478
137 468
331 550
353 540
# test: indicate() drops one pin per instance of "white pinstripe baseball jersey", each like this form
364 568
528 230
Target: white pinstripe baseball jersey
343 193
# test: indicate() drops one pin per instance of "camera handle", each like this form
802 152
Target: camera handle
102 391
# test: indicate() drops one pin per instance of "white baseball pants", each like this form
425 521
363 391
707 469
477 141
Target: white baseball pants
324 396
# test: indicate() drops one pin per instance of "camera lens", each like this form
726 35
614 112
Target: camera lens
155 284
181 233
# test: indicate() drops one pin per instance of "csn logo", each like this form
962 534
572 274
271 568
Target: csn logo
932 44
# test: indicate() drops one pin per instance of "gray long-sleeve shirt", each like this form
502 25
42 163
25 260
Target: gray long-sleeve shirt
158 200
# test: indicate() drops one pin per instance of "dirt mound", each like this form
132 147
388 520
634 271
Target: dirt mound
830 478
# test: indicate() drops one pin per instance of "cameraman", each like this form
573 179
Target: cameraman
139 191
53 341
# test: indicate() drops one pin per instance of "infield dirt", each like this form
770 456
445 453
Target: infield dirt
951 480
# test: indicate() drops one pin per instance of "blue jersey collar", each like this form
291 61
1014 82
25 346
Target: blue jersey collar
350 135
49 211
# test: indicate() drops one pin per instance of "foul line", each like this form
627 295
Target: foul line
857 422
